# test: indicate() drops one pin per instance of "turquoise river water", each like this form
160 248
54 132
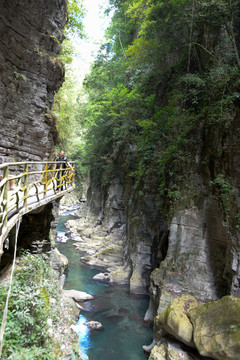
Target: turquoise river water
121 315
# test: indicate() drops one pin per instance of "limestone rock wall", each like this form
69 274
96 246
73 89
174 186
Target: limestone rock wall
138 222
197 252
30 74
203 249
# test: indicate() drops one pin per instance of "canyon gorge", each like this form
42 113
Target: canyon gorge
167 247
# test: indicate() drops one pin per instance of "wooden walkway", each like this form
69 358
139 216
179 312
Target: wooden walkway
27 186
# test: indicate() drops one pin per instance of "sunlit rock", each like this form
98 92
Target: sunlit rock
102 277
168 350
137 282
120 276
217 328
94 325
189 266
60 264
77 295
175 321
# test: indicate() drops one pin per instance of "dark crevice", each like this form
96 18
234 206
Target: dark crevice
159 248
33 236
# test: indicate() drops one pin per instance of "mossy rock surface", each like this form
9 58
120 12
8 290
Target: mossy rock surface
174 319
169 350
158 353
120 276
217 328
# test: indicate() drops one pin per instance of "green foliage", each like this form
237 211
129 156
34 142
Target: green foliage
31 353
223 190
235 328
19 76
33 290
75 14
67 102
168 68
67 51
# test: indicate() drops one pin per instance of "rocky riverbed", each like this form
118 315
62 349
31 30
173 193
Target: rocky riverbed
179 331
110 307
101 244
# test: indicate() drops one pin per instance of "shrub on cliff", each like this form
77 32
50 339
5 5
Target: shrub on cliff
33 311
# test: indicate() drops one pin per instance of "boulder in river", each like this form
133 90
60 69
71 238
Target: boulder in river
77 295
94 325
102 277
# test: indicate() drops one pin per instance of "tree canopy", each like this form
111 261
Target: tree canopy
167 69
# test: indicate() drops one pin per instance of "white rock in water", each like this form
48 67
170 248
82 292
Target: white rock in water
94 325
148 348
101 277
77 295
62 238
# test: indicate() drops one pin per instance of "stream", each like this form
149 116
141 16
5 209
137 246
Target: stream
124 332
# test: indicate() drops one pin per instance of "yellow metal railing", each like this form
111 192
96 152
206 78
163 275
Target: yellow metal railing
23 184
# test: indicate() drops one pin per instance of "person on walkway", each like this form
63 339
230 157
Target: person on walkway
62 164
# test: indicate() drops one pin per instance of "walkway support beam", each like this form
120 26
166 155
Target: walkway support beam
26 186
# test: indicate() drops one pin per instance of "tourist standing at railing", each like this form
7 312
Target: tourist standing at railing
60 167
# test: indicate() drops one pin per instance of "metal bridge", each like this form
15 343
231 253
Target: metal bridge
26 186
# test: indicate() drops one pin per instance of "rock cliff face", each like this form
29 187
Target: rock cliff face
197 251
137 221
30 73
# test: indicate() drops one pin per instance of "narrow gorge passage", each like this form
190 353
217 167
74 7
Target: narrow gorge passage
120 314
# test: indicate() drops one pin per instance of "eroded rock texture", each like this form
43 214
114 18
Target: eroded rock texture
30 74
197 251
138 222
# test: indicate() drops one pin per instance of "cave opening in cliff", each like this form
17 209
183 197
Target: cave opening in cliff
159 248
33 236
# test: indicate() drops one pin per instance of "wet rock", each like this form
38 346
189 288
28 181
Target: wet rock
100 248
150 313
94 325
120 276
114 317
137 282
62 238
148 348
123 310
102 277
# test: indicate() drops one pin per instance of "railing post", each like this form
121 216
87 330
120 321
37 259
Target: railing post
45 180
25 178
5 198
